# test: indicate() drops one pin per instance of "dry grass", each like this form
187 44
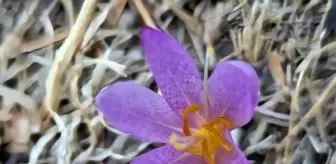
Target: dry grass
56 55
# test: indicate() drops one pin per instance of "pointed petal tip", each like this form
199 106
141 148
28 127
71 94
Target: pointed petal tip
148 31
174 70
151 35
148 28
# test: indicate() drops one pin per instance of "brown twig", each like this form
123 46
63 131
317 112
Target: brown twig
116 11
64 55
44 41
191 23
144 13
274 65
311 114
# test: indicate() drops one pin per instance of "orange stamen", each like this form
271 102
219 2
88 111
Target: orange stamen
218 135
193 108
205 140
221 120
206 154
185 128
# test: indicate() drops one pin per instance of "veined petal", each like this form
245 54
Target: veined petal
236 156
173 68
136 110
168 155
233 92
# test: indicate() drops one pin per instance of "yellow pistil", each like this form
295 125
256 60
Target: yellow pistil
206 139
210 49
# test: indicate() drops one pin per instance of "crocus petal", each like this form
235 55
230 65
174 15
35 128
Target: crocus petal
233 92
236 156
173 68
168 155
136 110
250 72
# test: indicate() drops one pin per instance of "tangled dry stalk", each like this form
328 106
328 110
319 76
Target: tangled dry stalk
56 55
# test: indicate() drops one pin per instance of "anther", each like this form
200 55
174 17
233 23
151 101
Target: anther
206 154
185 128
221 120
218 135
191 109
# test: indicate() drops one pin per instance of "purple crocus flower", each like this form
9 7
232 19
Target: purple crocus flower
193 118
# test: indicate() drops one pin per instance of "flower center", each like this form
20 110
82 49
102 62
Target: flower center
206 139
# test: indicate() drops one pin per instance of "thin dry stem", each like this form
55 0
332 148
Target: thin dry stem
64 55
44 41
144 13
316 109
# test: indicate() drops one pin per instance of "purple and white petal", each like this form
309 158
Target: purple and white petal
138 111
168 155
173 68
233 92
